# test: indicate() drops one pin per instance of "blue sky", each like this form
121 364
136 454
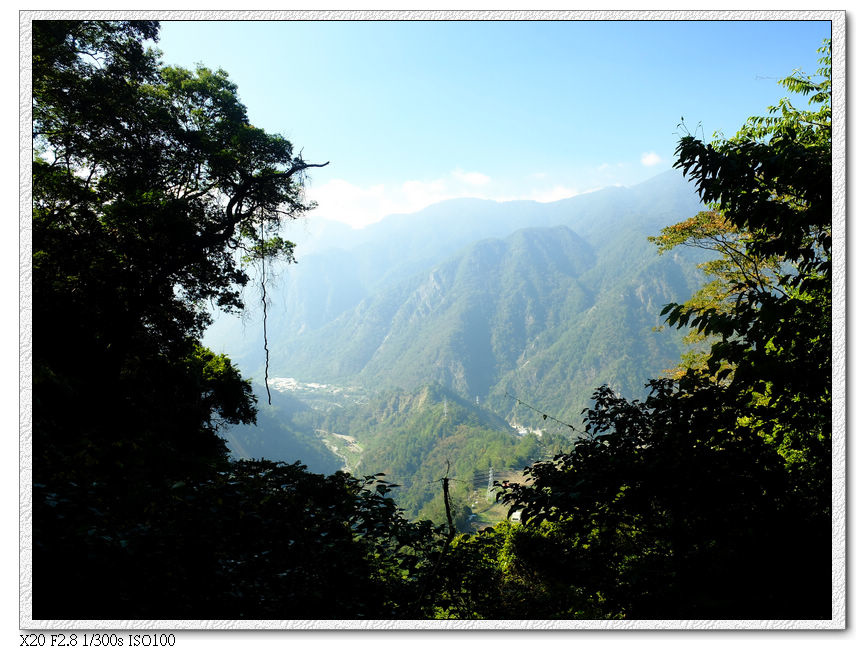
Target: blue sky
410 113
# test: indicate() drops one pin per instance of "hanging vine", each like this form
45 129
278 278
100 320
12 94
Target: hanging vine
264 312
245 204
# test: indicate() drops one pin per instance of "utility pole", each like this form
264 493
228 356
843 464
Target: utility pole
445 548
451 530
490 494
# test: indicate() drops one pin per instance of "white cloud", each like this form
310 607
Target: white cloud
416 195
547 195
650 158
556 193
470 178
339 200
360 206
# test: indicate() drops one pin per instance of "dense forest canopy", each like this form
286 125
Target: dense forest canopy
154 198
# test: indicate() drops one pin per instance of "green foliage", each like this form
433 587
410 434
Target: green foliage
257 540
734 267
773 180
710 498
671 507
512 571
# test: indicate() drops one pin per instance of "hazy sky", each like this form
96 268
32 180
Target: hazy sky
410 113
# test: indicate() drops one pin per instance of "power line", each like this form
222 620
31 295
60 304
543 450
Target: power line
545 416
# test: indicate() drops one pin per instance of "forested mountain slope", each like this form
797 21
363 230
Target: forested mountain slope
338 268
541 312
417 437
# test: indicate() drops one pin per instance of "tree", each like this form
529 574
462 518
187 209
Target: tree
772 181
152 195
711 497
255 540
733 268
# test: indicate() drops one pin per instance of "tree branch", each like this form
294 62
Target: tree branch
235 216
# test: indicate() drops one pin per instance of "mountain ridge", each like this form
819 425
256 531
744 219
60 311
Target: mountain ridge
358 314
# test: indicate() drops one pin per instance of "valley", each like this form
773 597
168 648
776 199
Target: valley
416 344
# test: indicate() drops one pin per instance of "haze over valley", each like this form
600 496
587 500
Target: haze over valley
487 301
